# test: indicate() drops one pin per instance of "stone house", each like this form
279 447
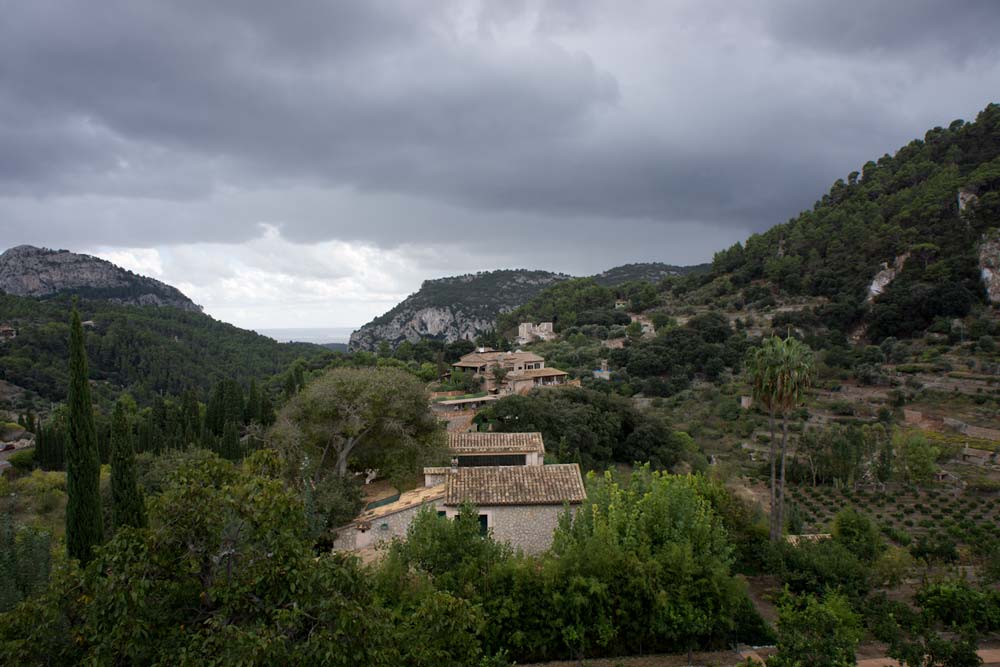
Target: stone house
518 498
520 505
528 332
500 449
7 332
522 371
525 381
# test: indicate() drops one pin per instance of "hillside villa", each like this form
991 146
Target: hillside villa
519 499
521 371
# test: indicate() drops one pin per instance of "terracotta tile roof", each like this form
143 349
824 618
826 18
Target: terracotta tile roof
495 443
536 373
406 500
476 359
516 485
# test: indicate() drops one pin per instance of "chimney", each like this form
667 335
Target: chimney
454 465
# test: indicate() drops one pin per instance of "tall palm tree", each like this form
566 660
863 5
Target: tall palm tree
780 371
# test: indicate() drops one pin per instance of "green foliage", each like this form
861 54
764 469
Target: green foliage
147 351
858 533
815 567
568 303
222 575
915 456
591 428
904 203
22 462
816 632
363 418
25 561
128 506
84 519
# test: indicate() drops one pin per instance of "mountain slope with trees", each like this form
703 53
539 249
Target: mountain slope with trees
920 221
147 351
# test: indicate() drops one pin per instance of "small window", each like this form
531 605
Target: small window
484 524
383 526
443 514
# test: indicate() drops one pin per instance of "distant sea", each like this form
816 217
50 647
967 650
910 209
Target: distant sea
319 335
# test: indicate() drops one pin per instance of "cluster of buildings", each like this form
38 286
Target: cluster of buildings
518 497
510 372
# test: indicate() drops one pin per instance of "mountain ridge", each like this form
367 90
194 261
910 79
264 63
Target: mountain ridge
31 271
466 306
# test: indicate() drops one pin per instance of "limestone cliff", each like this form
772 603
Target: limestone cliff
451 309
38 272
885 276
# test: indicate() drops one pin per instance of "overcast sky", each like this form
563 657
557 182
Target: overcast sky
309 164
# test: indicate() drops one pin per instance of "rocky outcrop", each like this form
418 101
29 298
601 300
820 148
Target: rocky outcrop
885 276
450 309
38 272
989 264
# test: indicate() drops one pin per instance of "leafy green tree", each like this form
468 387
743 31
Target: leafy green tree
375 418
84 519
127 504
225 575
915 456
816 632
780 371
858 533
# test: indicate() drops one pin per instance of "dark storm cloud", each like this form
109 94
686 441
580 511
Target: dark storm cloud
613 125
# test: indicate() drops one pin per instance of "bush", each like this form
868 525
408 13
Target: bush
23 462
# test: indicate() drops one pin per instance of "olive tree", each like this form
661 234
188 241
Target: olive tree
360 418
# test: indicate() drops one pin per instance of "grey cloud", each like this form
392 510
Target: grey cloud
621 130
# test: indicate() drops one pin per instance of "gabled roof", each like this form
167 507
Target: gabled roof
495 443
536 373
477 359
487 486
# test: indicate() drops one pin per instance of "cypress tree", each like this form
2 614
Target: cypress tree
191 417
253 412
128 508
84 522
230 447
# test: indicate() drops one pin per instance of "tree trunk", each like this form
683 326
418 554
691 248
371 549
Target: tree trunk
342 462
781 483
775 536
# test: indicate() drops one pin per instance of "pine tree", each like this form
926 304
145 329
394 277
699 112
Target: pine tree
84 522
128 508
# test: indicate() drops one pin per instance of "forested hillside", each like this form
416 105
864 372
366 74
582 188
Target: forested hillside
144 350
650 272
926 209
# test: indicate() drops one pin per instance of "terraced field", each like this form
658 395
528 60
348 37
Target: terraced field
904 515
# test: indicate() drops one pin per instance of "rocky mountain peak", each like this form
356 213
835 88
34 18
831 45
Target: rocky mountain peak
38 272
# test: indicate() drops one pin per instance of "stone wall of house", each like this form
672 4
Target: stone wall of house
382 529
527 527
